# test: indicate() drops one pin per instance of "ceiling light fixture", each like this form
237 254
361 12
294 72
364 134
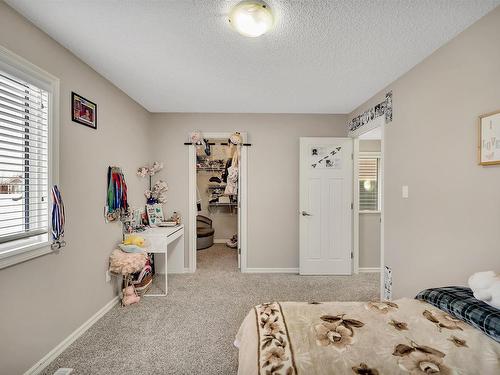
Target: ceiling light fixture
251 18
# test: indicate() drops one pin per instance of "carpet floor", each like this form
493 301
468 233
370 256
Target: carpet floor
191 331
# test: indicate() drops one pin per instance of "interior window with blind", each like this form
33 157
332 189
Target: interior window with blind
24 158
369 183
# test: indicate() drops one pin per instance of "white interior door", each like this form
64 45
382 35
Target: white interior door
326 172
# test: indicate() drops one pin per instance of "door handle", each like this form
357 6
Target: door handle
304 213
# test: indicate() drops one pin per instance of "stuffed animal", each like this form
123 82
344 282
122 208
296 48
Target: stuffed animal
134 240
486 287
129 296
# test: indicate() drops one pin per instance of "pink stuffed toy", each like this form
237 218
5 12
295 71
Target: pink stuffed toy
129 296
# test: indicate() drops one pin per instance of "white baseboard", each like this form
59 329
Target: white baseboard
220 240
369 269
50 356
272 270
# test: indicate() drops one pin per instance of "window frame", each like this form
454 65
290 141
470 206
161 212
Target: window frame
21 250
372 155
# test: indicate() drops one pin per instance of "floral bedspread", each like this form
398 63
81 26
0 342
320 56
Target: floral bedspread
402 337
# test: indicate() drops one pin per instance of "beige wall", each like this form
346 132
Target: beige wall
273 173
448 227
371 145
369 240
369 223
45 299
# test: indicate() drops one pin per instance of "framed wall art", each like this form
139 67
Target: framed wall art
83 111
489 139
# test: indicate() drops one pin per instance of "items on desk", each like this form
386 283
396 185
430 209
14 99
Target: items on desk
157 192
116 196
176 217
155 214
134 240
173 221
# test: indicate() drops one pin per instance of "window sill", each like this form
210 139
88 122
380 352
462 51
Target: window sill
369 212
15 252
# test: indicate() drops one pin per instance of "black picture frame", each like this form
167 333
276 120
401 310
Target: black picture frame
83 111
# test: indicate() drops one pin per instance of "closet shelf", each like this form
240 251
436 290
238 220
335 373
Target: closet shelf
216 187
206 169
232 204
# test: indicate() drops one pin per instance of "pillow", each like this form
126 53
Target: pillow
131 248
459 302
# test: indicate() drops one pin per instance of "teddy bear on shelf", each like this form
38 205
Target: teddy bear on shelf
129 296
486 287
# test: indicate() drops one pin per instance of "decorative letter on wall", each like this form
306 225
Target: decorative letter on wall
382 108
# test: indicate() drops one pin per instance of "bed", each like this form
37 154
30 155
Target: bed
442 331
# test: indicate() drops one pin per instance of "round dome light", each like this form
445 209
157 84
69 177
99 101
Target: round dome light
251 18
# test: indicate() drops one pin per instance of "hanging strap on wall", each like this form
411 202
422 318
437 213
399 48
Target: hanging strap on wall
58 219
116 195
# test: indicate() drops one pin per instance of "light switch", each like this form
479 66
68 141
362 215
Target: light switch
404 191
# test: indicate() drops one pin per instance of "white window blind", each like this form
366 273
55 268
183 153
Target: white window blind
368 184
24 140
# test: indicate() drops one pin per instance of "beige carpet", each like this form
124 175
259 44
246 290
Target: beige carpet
191 331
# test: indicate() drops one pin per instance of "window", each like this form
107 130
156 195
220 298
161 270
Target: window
26 158
369 185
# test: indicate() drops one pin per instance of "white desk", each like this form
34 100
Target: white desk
167 243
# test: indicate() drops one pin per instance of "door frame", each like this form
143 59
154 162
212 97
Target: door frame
301 202
379 122
242 210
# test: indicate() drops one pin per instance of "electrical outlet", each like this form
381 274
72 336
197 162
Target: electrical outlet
108 276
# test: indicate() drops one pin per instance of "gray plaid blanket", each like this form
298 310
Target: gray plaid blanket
459 302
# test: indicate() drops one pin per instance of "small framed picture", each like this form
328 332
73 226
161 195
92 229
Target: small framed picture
155 213
489 139
83 111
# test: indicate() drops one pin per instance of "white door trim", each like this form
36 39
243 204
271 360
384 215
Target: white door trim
380 122
242 211
382 208
355 212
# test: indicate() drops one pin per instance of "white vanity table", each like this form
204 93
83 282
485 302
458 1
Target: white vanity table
167 243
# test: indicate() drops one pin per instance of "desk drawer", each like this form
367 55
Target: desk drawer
157 244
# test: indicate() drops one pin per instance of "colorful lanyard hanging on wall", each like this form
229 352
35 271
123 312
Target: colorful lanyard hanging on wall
116 202
58 219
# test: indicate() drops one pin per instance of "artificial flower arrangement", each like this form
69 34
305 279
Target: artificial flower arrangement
157 192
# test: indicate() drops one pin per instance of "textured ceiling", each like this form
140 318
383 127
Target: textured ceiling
321 56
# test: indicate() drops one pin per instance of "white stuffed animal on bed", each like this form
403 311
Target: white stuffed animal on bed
486 287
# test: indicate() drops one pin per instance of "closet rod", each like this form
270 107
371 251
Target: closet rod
221 144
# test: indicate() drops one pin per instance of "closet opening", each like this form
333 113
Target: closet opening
218 203
368 205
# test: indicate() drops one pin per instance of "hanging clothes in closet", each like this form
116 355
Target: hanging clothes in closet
232 171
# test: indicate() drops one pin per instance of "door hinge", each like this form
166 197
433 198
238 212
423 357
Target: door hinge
352 255
239 250
352 206
352 156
